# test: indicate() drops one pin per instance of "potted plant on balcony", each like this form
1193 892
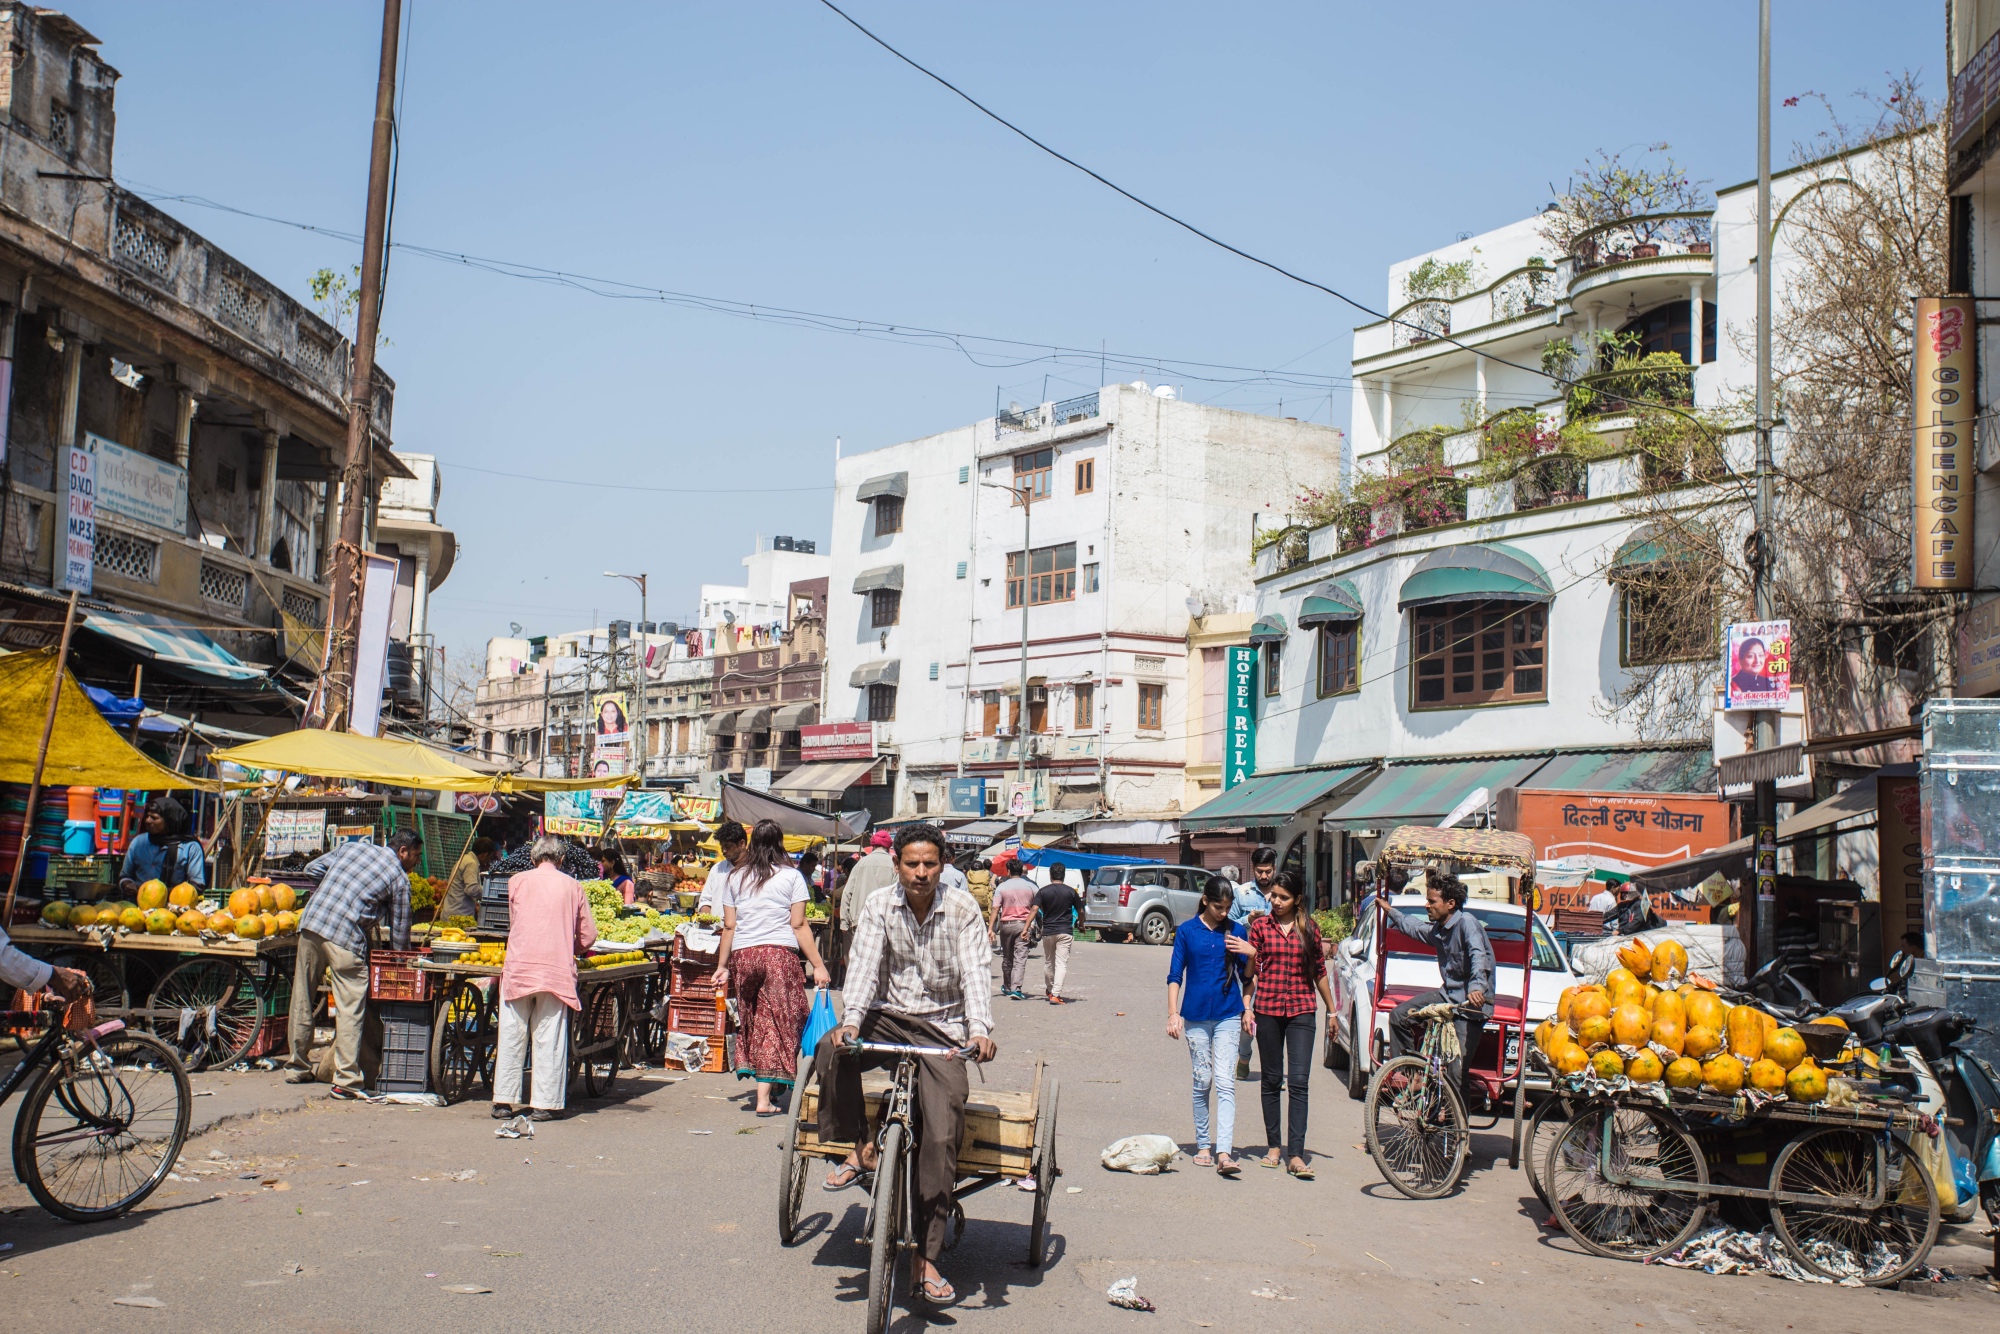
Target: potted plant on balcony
1646 250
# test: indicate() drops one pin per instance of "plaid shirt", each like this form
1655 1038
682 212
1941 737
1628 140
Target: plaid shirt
1284 987
359 883
937 970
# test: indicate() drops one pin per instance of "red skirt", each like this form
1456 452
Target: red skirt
770 988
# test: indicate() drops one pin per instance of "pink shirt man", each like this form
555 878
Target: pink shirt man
548 925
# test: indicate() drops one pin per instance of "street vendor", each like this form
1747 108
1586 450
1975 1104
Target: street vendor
548 924
163 851
1464 960
360 885
461 892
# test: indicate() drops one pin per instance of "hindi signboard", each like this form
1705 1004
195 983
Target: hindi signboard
298 831
138 486
1625 832
1941 385
1239 741
1757 665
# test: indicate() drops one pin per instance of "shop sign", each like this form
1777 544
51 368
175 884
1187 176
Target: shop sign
1899 873
1979 651
836 741
573 813
757 780
967 796
1626 832
79 548
1240 740
705 809
138 486
29 624
288 832
1757 665
1941 385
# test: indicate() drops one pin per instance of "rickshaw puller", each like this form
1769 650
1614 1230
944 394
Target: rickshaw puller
1465 962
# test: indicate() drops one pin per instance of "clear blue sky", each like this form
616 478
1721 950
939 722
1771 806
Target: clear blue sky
762 150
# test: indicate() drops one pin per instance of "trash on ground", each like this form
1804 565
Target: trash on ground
151 1303
1125 1293
464 1287
1143 1155
517 1127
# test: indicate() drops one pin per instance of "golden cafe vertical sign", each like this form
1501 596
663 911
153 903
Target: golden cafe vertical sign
1941 383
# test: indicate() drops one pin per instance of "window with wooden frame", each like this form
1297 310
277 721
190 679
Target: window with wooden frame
888 515
1152 707
1034 472
1273 666
1471 653
1047 574
1089 577
1085 716
881 703
1086 476
989 713
1339 659
885 607
1662 624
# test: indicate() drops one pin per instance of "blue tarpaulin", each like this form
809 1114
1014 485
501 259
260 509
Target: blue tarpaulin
118 712
1074 860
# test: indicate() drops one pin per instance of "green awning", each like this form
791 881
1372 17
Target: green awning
1424 791
1272 799
1268 629
1478 572
1653 544
1682 770
1335 602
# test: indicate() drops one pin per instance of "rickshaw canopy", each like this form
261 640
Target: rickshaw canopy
1412 845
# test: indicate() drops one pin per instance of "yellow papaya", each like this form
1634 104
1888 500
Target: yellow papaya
1746 1033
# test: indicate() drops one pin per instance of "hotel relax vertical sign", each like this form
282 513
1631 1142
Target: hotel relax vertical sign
1941 369
1239 759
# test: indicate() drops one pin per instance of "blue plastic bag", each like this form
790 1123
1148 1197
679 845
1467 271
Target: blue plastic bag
819 1022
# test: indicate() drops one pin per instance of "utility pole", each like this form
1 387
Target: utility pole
639 655
1762 929
338 687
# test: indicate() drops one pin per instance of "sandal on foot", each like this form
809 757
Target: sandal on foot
1302 1173
842 1177
936 1291
1226 1165
1273 1163
1204 1159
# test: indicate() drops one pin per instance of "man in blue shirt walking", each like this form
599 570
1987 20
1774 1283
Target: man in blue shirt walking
1206 975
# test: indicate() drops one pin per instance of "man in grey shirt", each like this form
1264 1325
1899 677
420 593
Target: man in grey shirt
1465 962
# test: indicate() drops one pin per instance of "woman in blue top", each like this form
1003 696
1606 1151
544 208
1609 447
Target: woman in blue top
163 852
1205 977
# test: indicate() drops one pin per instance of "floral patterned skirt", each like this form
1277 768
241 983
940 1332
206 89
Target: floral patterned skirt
770 988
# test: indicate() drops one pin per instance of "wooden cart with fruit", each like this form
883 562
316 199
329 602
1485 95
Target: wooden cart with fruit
464 992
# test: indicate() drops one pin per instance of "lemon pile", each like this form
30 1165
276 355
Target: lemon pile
452 933
492 953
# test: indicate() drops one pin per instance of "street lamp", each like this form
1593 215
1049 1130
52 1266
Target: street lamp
1025 495
639 652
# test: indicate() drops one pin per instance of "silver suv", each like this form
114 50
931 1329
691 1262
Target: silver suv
1146 899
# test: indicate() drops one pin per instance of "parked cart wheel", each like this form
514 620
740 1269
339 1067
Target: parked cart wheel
793 1166
462 1043
1627 1182
1416 1128
603 1029
207 1011
1046 1171
1845 1237
1543 1127
107 978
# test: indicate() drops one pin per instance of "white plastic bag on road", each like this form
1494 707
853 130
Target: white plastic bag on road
1144 1155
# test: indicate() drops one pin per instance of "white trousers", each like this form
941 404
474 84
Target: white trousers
542 1019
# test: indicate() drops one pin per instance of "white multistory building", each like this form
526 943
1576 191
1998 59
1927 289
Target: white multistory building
1143 512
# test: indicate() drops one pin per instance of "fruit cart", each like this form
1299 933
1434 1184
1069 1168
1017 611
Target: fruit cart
216 1001
465 1027
1637 1172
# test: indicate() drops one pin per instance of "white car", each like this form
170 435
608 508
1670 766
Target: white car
1352 973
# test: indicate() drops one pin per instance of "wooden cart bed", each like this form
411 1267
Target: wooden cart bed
999 1127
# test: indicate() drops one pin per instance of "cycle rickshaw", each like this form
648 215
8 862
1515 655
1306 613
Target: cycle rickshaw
1418 1129
1009 1137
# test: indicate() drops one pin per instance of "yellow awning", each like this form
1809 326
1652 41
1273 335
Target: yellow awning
794 843
83 749
389 761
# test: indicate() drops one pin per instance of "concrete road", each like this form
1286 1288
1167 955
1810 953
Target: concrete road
656 1208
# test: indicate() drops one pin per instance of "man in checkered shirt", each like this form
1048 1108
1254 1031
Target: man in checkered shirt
360 885
919 973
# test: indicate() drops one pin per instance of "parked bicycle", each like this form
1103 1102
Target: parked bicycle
104 1116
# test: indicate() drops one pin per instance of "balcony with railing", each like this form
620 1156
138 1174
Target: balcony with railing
1647 245
1534 289
1659 380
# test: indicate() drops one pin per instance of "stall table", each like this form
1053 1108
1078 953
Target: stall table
465 1026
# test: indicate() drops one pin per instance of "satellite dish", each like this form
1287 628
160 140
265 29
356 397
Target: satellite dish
514 628
1475 801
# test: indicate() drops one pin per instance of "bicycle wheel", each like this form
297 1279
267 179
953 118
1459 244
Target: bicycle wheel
1844 1238
885 1245
792 1165
1416 1128
206 1010
1626 1182
1046 1172
604 1015
102 1126
1538 1138
461 1041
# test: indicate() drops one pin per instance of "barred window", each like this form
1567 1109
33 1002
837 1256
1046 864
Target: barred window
1471 653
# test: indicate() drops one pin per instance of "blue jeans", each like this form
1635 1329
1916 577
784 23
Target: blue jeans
1212 1043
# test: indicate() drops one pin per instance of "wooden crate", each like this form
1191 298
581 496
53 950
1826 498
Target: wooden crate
999 1127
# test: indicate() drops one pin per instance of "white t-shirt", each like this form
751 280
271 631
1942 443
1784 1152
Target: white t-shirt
712 897
764 916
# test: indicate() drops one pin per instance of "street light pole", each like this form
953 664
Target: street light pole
639 654
1762 929
1025 494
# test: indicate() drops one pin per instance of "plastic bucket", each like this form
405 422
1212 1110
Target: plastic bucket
79 838
82 804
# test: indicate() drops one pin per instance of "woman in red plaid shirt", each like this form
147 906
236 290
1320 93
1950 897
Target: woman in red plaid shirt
1290 962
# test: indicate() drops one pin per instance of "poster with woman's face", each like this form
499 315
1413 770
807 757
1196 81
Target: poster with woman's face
611 726
1757 665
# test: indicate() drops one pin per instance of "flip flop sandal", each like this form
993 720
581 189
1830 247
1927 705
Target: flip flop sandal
1203 1159
1228 1169
927 1291
854 1174
1302 1173
772 1111
1266 1162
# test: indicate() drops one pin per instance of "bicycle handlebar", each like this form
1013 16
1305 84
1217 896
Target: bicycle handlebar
965 1053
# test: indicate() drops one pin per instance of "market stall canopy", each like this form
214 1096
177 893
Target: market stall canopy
393 762
979 833
1078 861
827 781
171 644
1413 844
1425 791
83 748
1335 602
1476 572
1681 769
1271 799
1268 629
888 484
794 716
746 806
882 576
886 672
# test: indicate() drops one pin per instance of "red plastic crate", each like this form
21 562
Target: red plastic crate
393 976
273 1037
699 1020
